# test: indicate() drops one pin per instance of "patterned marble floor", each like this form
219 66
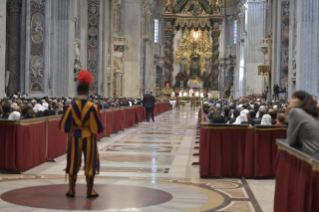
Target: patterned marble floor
144 168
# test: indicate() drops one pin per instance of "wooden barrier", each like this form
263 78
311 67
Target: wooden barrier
238 150
297 180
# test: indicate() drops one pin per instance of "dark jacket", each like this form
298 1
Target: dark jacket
4 117
149 101
256 121
218 119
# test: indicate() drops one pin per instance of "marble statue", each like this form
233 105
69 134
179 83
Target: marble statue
77 62
37 68
37 3
77 50
37 27
294 67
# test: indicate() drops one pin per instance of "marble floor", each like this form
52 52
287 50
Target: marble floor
144 168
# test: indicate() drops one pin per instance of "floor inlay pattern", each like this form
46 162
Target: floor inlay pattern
154 159
148 142
119 194
151 137
141 148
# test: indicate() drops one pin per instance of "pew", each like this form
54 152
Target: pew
265 149
297 180
238 150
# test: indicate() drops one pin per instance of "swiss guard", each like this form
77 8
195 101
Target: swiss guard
82 121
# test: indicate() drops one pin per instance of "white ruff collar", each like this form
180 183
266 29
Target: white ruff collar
83 97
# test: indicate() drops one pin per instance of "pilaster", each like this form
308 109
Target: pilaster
215 60
14 46
3 11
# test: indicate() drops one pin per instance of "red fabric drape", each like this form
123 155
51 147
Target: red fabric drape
8 133
265 151
102 134
138 114
30 145
222 152
129 117
57 140
122 118
117 120
156 109
143 114
133 115
297 185
109 122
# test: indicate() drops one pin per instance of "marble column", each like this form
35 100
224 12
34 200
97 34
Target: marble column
215 72
3 11
133 32
14 46
169 59
306 51
255 33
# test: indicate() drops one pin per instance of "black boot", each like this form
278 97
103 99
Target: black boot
90 192
72 181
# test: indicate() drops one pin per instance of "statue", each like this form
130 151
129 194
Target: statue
37 68
182 76
294 67
77 63
77 50
37 27
167 91
169 6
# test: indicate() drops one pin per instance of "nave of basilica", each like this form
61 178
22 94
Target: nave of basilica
159 105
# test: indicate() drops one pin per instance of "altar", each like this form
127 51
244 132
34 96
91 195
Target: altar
196 56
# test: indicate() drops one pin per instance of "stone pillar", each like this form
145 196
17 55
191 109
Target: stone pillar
169 59
93 43
255 33
306 51
3 11
14 46
133 55
215 72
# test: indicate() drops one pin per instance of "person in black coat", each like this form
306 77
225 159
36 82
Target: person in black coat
149 104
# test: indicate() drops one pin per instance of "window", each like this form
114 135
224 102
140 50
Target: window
235 32
156 31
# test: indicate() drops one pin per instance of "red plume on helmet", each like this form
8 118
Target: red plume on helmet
85 78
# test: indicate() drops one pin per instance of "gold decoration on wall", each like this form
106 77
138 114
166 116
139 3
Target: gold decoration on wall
193 8
190 43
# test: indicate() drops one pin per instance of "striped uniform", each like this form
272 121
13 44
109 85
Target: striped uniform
82 121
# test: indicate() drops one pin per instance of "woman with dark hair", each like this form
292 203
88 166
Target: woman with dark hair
302 117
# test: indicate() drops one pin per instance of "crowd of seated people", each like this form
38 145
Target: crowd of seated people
15 107
243 111
300 114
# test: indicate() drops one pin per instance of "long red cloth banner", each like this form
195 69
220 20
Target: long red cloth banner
297 185
29 143
238 152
